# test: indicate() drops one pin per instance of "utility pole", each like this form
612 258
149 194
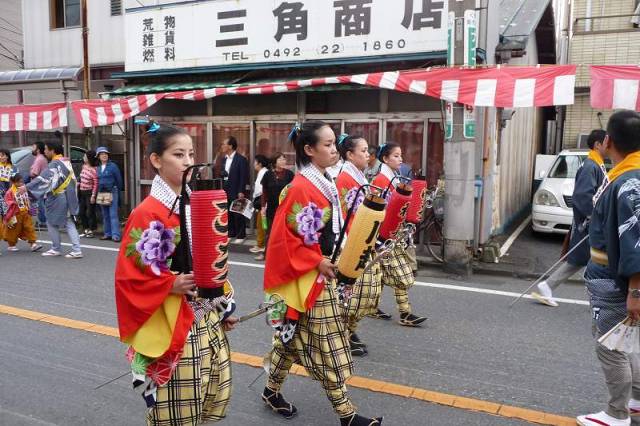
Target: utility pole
459 146
86 81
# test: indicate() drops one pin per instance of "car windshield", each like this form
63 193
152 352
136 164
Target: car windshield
19 154
566 166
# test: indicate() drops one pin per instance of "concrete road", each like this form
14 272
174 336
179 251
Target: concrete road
473 346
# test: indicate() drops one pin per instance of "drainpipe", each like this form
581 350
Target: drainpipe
587 22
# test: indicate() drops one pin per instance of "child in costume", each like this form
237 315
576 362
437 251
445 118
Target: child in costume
396 269
298 268
17 221
364 300
179 353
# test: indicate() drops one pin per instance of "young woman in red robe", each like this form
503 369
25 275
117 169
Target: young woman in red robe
179 354
364 300
396 269
298 268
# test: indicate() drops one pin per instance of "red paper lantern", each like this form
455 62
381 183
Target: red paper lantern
209 222
418 201
396 211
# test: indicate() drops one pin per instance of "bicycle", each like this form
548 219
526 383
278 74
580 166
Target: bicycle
432 224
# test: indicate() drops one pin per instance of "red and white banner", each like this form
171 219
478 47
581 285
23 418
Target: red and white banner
33 117
506 87
615 87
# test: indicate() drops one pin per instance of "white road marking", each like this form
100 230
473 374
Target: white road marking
418 283
507 244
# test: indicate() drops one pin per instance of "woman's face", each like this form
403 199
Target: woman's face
256 165
174 160
3 157
324 153
281 162
394 158
360 155
104 157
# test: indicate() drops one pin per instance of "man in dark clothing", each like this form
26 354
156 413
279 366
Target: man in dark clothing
588 179
235 170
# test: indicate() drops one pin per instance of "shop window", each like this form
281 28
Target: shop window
198 133
65 13
240 131
369 130
409 135
146 170
272 138
435 152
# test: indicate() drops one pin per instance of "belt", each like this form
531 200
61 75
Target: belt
600 257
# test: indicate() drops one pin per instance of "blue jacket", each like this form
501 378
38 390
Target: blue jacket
109 178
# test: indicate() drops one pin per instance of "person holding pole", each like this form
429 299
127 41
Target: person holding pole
588 179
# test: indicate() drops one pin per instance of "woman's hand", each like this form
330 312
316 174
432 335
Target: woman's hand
184 284
327 268
93 199
230 323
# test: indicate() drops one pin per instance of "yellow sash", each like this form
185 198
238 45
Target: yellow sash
61 188
596 157
630 162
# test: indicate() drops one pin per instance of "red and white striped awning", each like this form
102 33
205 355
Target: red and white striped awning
506 87
33 117
615 87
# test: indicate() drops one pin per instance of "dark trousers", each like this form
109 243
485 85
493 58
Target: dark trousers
237 223
87 211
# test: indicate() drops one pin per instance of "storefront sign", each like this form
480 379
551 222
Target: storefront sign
469 122
226 32
448 120
470 38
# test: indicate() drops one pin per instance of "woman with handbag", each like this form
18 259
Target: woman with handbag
109 186
261 166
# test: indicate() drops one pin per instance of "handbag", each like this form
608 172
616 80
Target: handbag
104 198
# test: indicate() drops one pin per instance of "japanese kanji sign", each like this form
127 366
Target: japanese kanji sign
228 32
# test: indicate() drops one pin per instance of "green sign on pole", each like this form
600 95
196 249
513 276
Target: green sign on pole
469 122
470 38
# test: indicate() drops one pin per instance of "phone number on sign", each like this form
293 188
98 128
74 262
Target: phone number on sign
336 48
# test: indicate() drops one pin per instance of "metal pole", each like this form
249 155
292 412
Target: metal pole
459 153
85 52
65 130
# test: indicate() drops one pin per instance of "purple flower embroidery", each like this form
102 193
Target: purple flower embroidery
155 246
350 197
309 222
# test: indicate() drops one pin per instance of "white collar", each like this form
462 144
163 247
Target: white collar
388 173
162 192
230 157
354 172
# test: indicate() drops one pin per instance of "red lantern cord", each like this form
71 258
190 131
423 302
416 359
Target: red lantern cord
209 220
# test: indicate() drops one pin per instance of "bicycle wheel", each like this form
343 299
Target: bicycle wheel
434 240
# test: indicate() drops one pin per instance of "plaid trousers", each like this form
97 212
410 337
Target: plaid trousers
320 345
397 273
365 298
200 387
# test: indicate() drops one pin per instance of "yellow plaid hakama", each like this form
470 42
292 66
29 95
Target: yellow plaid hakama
320 344
365 297
200 387
397 273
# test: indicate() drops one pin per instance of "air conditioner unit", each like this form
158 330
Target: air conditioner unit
582 141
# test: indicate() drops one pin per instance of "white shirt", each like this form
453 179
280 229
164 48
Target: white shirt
102 167
257 186
227 164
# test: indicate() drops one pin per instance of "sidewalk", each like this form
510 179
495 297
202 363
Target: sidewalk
528 257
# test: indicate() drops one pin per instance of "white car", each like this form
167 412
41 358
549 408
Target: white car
552 202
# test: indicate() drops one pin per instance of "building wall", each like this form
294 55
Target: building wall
608 41
10 43
516 151
46 47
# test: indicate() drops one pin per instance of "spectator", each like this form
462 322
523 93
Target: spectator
374 164
88 186
109 182
261 166
236 181
38 165
57 185
7 169
273 183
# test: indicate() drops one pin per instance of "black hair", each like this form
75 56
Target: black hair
348 143
8 154
596 136
91 156
160 135
39 146
624 131
56 147
15 178
304 135
232 142
262 160
275 157
385 149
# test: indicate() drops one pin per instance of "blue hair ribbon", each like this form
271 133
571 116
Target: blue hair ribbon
154 127
294 131
380 148
342 138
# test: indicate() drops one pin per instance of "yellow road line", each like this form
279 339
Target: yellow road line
373 385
